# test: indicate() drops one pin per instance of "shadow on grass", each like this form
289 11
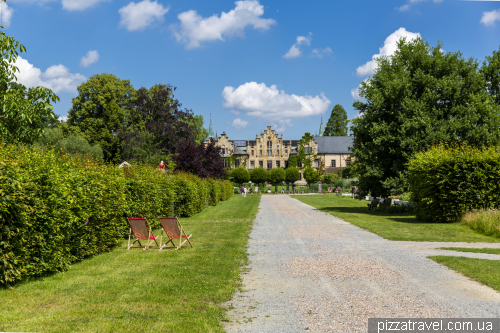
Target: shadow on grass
393 216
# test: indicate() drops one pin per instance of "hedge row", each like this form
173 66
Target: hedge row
56 210
448 182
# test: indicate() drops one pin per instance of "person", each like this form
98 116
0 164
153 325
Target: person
268 190
282 190
241 190
353 190
251 191
244 192
161 166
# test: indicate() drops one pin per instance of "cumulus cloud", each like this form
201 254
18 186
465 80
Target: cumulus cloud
90 58
194 29
295 51
239 123
138 16
489 18
320 53
57 77
270 104
6 14
63 119
390 46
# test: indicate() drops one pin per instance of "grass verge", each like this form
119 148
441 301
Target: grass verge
136 290
393 226
481 270
466 249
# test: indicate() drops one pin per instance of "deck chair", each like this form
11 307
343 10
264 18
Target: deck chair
174 230
141 230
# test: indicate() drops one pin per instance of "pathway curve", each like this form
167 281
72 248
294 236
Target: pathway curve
312 270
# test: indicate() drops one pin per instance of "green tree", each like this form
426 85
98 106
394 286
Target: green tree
258 176
142 148
417 98
276 177
23 112
304 158
491 73
337 123
329 179
311 176
292 174
240 175
101 110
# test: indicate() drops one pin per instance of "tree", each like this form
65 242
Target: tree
142 148
200 160
240 175
417 98
302 159
311 176
292 174
258 176
23 112
276 176
329 179
491 73
337 123
101 110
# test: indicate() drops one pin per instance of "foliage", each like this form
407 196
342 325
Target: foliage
141 147
486 222
303 160
240 175
74 144
448 182
311 175
337 123
100 111
329 179
417 98
292 174
276 176
397 185
491 72
56 210
23 112
203 161
258 175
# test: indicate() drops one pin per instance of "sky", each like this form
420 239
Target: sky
246 64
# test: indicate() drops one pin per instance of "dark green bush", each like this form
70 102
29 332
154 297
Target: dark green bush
47 198
448 182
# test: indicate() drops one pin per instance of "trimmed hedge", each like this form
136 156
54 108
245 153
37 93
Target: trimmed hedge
448 182
46 200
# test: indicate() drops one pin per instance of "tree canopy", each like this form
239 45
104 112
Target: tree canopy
417 98
292 174
258 175
491 72
240 175
276 176
203 161
337 123
311 175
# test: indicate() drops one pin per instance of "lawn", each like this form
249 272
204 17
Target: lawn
466 249
482 270
393 226
136 290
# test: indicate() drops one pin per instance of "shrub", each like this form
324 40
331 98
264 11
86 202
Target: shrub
486 222
448 182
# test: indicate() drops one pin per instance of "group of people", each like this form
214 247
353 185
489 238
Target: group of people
244 191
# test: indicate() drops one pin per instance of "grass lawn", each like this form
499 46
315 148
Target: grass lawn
393 226
142 291
482 270
465 249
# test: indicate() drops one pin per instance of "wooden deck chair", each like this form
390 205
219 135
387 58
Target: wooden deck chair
174 230
141 230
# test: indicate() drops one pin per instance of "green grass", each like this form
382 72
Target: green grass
136 290
466 249
393 226
481 270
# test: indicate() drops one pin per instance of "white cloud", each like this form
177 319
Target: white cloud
80 4
294 51
239 123
408 5
270 104
355 91
489 18
6 14
404 8
90 58
320 53
57 77
194 29
390 46
64 119
138 16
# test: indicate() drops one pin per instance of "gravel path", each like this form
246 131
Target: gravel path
312 271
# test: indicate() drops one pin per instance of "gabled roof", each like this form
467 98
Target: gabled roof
238 151
334 144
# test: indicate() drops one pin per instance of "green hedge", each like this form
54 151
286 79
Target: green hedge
46 200
448 182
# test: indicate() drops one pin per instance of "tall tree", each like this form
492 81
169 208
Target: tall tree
240 175
417 98
276 176
203 161
101 110
491 73
292 174
337 123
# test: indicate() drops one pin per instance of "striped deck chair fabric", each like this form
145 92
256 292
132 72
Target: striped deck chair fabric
141 230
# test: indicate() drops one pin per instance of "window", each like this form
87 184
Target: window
278 164
277 146
286 151
261 153
269 144
269 164
269 152
316 163
252 152
286 164
252 164
334 163
225 162
261 164
348 162
236 163
278 152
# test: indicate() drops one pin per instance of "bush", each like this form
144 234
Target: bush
448 182
486 222
56 209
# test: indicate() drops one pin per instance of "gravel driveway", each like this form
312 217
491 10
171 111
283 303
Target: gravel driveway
311 271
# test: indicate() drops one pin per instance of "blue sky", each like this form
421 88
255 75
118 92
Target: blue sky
250 64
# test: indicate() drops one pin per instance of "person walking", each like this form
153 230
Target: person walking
353 190
241 190
244 192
